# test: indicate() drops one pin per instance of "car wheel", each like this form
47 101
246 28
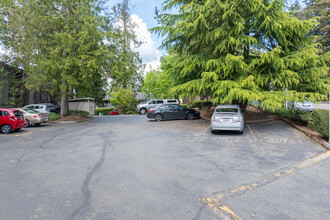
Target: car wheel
143 111
158 117
6 129
28 124
190 116
241 132
38 124
212 131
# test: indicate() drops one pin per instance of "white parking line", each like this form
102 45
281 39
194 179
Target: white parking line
254 137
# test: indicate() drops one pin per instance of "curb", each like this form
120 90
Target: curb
72 122
311 136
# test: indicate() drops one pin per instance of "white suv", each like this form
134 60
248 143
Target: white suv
38 107
143 108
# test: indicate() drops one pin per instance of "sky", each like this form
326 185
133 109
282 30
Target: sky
143 13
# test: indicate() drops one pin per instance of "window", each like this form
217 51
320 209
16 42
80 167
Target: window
165 107
18 114
31 111
30 107
3 113
152 102
171 101
227 110
160 101
176 107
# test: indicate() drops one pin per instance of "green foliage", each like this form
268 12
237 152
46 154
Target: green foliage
104 111
157 84
292 114
320 121
53 117
60 45
130 112
124 99
202 104
125 64
79 112
241 51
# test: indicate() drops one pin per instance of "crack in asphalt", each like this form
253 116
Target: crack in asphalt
41 145
85 188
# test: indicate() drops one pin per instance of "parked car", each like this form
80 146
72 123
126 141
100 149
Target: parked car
52 107
38 107
153 104
33 117
11 119
115 112
172 111
303 106
227 117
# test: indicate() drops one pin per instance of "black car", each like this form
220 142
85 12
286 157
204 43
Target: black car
53 108
172 111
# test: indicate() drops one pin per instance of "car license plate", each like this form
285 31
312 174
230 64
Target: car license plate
226 120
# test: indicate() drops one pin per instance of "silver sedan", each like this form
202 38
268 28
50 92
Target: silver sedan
227 117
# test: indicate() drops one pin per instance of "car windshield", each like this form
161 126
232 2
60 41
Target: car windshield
227 110
31 111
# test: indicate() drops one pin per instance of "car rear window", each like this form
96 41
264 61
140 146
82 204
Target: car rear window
30 111
230 110
18 114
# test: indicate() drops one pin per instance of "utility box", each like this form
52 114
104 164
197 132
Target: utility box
83 104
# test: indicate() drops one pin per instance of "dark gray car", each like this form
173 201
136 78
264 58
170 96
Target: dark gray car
173 111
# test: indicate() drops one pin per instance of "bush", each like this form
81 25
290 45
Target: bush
105 111
79 112
130 112
202 104
320 121
184 105
53 117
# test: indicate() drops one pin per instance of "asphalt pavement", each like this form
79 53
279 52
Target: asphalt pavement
129 167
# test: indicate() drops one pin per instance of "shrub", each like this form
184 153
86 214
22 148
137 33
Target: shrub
53 117
130 112
105 111
202 104
320 121
79 112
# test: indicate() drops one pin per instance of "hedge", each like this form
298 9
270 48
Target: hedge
53 116
320 121
202 104
105 111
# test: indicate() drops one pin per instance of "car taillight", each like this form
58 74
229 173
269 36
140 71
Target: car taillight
150 110
213 118
37 116
239 120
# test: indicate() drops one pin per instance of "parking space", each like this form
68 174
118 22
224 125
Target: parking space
121 167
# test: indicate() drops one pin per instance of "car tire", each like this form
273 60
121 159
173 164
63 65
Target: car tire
6 129
38 124
212 131
143 111
28 124
158 117
241 132
190 116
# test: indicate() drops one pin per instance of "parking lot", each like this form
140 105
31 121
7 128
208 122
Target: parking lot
129 167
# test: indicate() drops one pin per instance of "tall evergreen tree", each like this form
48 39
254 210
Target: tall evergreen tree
59 43
125 66
237 51
319 9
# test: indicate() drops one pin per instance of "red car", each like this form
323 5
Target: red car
115 112
11 119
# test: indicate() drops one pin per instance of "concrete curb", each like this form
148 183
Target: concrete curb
72 122
311 136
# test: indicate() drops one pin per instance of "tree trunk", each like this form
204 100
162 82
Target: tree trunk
65 103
